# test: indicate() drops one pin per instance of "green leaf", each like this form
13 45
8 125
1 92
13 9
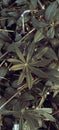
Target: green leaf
3 72
27 96
49 117
12 14
11 47
48 110
5 2
32 123
17 67
19 2
26 126
30 51
34 3
21 77
41 52
41 63
57 1
31 120
35 22
20 55
53 72
29 78
38 24
55 42
38 72
1 44
6 112
21 122
5 37
51 33
57 15
38 36
55 93
51 11
51 54
14 60
55 87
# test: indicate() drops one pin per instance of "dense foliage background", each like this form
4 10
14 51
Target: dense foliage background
29 64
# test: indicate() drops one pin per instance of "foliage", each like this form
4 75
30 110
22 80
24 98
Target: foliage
29 64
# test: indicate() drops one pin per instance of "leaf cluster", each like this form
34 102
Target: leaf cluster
29 64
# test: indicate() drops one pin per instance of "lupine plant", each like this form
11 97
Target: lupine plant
29 64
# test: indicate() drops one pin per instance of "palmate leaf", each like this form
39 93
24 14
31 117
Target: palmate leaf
29 78
34 116
17 67
31 120
21 77
19 54
38 72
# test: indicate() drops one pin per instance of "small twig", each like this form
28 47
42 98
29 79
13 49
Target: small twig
5 30
18 91
23 21
27 34
3 55
42 6
56 112
2 63
3 18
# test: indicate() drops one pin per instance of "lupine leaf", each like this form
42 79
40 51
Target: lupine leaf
20 55
51 11
21 77
38 36
17 67
41 52
14 60
30 51
29 78
38 72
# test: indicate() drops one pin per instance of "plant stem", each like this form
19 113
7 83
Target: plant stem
3 55
5 30
56 112
18 91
